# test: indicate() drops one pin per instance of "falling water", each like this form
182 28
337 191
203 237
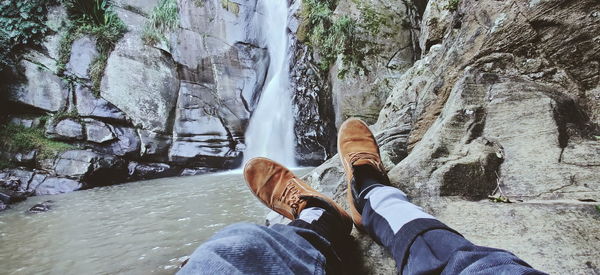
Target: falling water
271 130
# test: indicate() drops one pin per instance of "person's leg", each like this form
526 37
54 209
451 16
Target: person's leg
305 246
418 242
308 245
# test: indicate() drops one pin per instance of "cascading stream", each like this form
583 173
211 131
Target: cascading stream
270 132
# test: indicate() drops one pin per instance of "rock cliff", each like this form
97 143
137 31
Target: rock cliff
178 103
494 128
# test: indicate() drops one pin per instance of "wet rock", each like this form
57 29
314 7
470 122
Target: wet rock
54 185
83 53
90 106
197 171
9 196
143 171
149 95
97 131
42 90
3 206
41 207
314 127
24 177
67 129
10 183
154 146
91 168
204 143
127 143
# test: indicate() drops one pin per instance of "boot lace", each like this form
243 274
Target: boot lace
291 196
371 157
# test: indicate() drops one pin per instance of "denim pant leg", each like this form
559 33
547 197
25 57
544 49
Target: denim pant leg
421 244
252 249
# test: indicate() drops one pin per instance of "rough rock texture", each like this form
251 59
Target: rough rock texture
83 52
149 95
392 37
42 89
503 102
66 129
314 126
90 106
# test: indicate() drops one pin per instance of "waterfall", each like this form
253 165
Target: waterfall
270 132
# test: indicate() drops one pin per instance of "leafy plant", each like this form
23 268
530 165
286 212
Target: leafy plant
332 37
452 5
22 26
17 138
95 18
164 18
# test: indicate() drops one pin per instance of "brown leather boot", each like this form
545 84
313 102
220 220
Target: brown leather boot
357 147
279 189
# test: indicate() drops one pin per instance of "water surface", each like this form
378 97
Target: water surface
134 228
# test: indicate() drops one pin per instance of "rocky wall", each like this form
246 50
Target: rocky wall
494 130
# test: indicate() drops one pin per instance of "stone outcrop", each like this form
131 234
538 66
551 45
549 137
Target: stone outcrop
148 95
501 103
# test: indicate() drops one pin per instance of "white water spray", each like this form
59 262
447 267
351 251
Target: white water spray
271 129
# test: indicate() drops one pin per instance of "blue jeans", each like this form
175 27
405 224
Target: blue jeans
418 242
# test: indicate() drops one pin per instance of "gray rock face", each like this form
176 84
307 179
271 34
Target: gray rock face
314 125
154 146
28 122
139 171
42 90
97 131
91 168
149 95
144 6
363 95
127 143
207 145
53 186
90 106
497 106
83 52
67 129
222 70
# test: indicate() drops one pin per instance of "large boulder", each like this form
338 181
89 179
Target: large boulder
54 185
90 168
66 129
42 90
498 107
89 105
148 95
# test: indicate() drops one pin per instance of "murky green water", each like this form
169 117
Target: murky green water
134 228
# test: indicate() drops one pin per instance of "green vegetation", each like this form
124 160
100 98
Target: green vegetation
65 115
598 208
22 26
339 36
17 138
95 18
231 6
164 18
452 5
